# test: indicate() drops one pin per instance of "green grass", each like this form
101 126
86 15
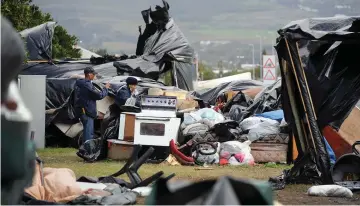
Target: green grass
292 194
67 158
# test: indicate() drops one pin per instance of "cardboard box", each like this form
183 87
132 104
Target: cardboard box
186 104
119 150
178 94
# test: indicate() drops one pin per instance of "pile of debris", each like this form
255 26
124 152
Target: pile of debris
238 129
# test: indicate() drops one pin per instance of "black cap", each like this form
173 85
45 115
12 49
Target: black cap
89 70
131 81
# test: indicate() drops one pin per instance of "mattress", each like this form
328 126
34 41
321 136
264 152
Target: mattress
269 152
280 138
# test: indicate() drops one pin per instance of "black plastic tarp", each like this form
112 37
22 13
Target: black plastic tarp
167 44
163 49
322 64
67 69
210 95
59 92
39 41
241 106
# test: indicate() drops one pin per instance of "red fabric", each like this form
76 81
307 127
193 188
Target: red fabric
223 162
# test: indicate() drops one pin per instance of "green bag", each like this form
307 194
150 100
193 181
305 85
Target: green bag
223 191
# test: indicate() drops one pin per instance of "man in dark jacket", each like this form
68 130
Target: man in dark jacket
85 102
126 91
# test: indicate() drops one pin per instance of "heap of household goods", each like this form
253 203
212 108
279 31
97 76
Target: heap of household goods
303 118
226 118
246 125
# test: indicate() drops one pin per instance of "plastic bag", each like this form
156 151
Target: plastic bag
247 123
210 114
245 158
263 129
191 118
234 147
237 153
330 191
131 101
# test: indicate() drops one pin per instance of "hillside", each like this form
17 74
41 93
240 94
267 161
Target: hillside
112 24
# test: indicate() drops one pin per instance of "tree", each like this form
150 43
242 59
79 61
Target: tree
206 73
23 14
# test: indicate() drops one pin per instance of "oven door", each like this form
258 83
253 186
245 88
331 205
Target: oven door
156 131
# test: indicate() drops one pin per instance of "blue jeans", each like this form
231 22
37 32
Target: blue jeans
88 127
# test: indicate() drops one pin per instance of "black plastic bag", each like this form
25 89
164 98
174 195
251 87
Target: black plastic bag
91 150
225 130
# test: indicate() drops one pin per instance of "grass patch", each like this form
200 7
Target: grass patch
292 194
67 158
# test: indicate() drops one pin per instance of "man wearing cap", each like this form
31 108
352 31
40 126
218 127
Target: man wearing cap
85 102
127 91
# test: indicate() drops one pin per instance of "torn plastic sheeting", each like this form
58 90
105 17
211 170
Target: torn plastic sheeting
269 99
240 99
58 95
39 41
210 95
166 44
67 69
330 74
169 41
337 28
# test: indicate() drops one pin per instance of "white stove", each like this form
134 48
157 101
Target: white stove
156 125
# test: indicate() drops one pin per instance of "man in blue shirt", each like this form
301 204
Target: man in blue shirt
85 102
127 91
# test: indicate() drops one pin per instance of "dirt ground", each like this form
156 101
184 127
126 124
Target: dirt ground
292 194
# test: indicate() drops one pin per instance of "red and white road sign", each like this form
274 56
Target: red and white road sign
269 69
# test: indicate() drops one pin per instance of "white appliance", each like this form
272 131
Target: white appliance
156 124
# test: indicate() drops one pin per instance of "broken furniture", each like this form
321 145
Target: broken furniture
132 166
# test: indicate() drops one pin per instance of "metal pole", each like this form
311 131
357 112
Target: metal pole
253 59
261 69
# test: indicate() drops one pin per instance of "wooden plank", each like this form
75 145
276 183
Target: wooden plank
129 127
295 152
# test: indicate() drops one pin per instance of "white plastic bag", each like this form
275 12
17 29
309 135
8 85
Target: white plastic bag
250 122
265 128
330 191
234 147
191 118
130 101
210 114
283 123
245 158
